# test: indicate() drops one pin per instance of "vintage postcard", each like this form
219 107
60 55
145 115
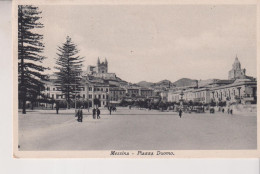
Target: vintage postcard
135 79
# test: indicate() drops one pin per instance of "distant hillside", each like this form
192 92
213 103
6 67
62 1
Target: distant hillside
185 82
164 82
161 84
145 84
167 83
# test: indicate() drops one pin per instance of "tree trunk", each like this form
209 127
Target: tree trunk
24 105
22 68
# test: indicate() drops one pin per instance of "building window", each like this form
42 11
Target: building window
83 95
103 96
52 96
90 96
53 89
48 88
101 89
106 90
99 96
90 89
83 89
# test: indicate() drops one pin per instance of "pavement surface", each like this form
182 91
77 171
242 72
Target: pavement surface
136 130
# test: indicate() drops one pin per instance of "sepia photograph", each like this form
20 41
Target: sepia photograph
134 80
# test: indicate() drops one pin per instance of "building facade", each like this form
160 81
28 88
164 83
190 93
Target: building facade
145 92
99 84
116 95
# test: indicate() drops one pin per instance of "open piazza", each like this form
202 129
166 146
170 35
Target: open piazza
137 128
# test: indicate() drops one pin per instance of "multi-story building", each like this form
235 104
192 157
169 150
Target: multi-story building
98 83
132 92
238 87
99 91
116 94
145 92
243 90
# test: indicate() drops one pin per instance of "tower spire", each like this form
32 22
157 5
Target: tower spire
98 62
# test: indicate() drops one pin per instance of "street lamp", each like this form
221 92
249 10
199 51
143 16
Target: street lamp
76 97
108 101
88 95
181 100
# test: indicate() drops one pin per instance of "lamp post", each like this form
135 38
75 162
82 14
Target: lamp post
181 100
108 101
88 95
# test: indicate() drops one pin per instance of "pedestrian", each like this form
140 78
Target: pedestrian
98 113
223 110
110 110
80 114
231 111
57 107
94 113
228 110
180 113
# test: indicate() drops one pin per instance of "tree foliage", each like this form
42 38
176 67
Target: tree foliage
30 48
69 65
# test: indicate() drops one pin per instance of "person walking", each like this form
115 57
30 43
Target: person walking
180 113
80 114
57 107
94 113
110 110
98 113
231 111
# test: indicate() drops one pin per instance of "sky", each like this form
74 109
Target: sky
155 42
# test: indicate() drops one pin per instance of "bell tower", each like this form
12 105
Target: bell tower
102 66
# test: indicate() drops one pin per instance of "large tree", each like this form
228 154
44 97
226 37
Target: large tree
69 65
30 48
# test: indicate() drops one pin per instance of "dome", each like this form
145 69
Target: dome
236 64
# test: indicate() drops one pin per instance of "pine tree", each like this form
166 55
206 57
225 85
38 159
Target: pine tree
30 47
69 70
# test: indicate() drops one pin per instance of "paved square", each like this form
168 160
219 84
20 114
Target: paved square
136 130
